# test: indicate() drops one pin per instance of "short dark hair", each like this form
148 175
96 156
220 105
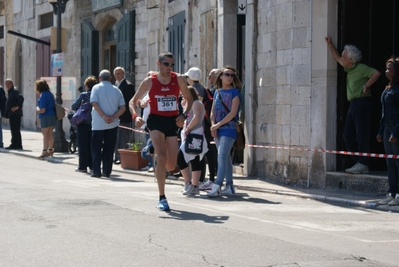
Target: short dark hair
165 54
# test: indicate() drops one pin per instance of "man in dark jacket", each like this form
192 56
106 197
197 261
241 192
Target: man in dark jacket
14 114
3 100
123 135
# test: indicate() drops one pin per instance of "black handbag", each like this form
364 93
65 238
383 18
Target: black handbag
239 143
194 144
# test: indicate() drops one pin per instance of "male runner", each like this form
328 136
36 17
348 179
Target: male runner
163 89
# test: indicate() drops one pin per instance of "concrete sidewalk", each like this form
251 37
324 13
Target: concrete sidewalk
32 144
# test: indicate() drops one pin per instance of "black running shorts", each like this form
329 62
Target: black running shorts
166 125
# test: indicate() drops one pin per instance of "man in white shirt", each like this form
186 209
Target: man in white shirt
108 104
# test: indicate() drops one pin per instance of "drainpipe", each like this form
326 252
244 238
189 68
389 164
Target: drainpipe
310 86
250 84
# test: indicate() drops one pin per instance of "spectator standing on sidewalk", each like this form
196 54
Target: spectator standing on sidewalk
194 76
48 120
14 114
84 132
389 130
3 100
193 124
164 119
108 104
226 104
123 135
359 79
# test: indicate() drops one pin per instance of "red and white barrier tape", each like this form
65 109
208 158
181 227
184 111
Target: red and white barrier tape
360 154
134 130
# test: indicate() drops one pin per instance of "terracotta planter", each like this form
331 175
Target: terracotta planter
131 159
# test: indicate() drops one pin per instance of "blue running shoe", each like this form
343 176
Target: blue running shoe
163 205
146 151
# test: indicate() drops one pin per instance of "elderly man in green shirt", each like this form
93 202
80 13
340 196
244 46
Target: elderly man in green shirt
358 119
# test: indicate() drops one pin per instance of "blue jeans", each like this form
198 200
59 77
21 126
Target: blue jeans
225 165
84 146
393 164
357 127
147 136
102 149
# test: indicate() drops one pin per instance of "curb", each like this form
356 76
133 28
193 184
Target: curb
342 201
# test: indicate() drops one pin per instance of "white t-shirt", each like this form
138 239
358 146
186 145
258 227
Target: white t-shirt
146 110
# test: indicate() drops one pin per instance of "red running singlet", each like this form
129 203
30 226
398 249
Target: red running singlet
164 97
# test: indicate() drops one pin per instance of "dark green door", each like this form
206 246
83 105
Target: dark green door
125 35
89 51
176 40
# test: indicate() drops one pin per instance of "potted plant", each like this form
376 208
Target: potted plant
131 156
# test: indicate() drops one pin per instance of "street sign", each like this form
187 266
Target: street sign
57 62
242 7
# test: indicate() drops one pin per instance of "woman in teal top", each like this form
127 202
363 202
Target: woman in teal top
46 109
223 127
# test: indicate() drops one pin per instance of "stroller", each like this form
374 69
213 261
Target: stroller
73 136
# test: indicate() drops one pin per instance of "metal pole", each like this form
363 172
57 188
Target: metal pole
60 143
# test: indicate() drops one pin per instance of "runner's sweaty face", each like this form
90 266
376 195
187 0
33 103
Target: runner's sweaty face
166 65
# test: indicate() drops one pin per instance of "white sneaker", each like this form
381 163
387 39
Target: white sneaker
193 191
228 190
146 168
395 201
186 187
358 168
207 185
386 200
151 169
215 192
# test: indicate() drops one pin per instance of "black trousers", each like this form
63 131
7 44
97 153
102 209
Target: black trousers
211 158
15 127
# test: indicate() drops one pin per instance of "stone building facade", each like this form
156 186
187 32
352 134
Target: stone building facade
278 46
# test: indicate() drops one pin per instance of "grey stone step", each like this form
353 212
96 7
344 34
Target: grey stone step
373 182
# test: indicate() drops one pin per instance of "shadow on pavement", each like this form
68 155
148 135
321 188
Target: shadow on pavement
190 216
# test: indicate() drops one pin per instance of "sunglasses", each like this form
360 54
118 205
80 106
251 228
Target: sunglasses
167 64
232 75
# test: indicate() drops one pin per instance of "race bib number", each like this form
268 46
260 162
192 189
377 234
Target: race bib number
166 103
